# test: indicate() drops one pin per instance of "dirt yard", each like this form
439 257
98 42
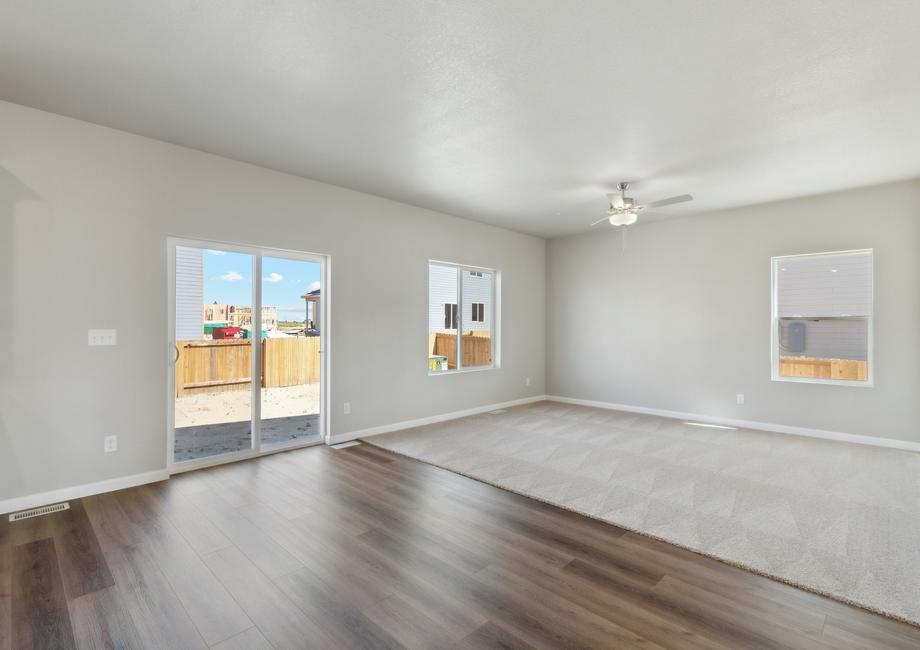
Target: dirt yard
234 406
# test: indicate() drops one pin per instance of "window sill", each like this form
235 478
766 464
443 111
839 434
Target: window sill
461 371
829 382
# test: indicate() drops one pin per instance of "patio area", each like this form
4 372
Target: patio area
210 424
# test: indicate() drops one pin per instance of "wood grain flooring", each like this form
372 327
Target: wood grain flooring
360 548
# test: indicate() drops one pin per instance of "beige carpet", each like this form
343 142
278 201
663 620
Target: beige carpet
836 518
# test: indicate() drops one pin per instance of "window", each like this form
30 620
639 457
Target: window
462 309
822 318
450 316
479 312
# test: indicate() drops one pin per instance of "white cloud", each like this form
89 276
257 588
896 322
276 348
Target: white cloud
313 286
216 252
231 276
274 277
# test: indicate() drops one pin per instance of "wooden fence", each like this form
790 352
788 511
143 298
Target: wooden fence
219 365
823 368
477 349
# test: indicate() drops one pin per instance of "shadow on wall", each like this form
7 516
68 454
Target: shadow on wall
12 193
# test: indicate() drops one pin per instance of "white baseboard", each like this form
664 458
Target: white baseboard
408 424
858 439
77 491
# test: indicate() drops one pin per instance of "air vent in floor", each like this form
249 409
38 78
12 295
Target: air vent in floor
37 512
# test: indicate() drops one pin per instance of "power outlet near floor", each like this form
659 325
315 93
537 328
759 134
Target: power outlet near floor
739 398
527 381
110 444
346 408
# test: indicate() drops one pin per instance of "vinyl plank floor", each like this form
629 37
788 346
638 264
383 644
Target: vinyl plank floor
101 620
159 617
6 588
283 623
40 618
83 566
251 639
489 636
214 612
363 548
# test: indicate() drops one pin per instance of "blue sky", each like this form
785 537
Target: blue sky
228 280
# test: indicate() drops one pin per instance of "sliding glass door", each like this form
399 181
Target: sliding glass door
246 333
291 359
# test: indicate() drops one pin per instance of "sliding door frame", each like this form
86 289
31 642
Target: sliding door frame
257 253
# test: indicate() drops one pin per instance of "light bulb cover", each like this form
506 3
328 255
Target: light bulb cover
623 218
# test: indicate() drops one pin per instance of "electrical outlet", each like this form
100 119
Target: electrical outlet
347 408
527 382
110 444
102 337
739 398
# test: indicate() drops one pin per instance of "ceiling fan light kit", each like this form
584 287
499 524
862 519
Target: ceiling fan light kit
622 218
624 211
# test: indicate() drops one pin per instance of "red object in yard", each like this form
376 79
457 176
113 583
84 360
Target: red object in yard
226 332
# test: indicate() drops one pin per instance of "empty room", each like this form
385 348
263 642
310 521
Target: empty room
353 324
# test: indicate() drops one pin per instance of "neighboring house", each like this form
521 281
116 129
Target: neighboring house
442 303
239 316
192 313
312 319
831 297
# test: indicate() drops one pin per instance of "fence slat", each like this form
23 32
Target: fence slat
476 349
225 364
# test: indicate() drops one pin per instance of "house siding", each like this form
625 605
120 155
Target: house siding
442 289
822 289
189 293
825 285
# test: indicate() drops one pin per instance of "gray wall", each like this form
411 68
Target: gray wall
681 319
85 215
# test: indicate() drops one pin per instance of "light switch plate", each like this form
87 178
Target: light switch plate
102 337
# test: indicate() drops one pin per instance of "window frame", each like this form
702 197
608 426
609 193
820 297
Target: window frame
450 316
774 324
494 328
481 309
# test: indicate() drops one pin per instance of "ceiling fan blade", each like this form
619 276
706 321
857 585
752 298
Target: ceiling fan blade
615 199
671 201
600 220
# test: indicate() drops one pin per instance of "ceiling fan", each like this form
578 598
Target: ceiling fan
624 210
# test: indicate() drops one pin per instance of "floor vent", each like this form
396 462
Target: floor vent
37 512
342 445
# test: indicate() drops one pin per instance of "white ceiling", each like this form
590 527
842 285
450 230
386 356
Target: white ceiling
516 113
